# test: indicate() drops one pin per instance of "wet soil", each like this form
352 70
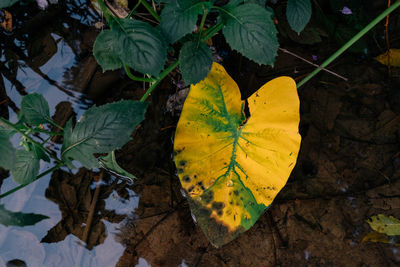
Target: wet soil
348 167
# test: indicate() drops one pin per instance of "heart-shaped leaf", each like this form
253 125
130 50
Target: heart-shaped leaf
383 224
230 167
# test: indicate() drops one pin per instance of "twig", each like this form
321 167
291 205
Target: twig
311 63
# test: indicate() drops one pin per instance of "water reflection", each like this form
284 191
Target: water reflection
49 52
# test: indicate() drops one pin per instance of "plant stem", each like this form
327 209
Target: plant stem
203 20
133 77
211 31
47 132
160 78
151 10
350 42
37 177
29 139
134 9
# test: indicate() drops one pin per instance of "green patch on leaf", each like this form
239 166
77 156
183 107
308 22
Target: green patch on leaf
101 130
132 42
7 3
195 61
298 13
8 218
26 167
251 31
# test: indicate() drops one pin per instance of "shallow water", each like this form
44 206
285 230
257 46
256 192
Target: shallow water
347 170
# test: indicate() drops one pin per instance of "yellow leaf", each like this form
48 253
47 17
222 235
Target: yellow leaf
388 225
394 56
230 167
378 237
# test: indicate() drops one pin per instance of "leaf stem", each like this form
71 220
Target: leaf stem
37 177
160 78
350 42
151 10
203 20
133 77
29 139
211 31
47 132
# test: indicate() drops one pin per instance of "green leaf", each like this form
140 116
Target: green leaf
7 155
110 163
195 61
26 167
298 13
18 218
7 3
388 225
39 153
179 18
34 110
101 130
132 42
258 2
107 50
251 31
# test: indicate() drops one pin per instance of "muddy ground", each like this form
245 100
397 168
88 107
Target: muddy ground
348 167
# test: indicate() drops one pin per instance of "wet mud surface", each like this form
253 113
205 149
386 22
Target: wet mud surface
348 167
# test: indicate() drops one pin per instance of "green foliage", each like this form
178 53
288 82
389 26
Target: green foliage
179 17
34 110
298 14
26 167
196 61
101 130
7 155
250 30
132 42
8 218
7 3
109 162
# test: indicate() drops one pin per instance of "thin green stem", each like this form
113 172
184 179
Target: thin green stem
104 8
55 124
134 9
203 20
160 78
29 139
133 77
151 10
350 42
37 177
211 31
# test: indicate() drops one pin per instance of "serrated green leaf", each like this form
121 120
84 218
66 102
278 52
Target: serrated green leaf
101 130
34 110
179 18
131 42
388 225
7 3
7 155
110 163
26 167
251 31
195 61
18 218
298 13
106 50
